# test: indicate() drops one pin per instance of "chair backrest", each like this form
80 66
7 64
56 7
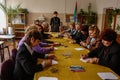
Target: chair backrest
7 69
14 53
0 71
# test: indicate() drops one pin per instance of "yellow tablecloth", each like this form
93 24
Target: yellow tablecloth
64 63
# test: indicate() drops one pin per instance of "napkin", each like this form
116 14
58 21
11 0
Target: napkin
79 49
48 78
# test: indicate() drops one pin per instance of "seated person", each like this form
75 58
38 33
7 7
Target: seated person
71 31
77 30
45 26
37 48
26 60
61 30
108 52
45 36
93 39
81 34
37 22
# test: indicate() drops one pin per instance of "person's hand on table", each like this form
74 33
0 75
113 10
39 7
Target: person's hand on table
93 60
84 56
48 62
50 56
72 41
67 35
52 48
49 36
56 43
83 44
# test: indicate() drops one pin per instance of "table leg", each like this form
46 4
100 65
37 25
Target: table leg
2 52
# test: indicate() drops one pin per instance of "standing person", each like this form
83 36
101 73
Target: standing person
55 22
108 52
26 59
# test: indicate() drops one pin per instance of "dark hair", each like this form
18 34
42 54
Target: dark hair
33 33
108 35
55 12
42 32
84 28
36 20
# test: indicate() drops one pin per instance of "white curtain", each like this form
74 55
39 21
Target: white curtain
2 18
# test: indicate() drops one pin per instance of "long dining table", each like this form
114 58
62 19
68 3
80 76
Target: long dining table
65 62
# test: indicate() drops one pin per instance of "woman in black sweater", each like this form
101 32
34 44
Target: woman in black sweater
26 59
108 53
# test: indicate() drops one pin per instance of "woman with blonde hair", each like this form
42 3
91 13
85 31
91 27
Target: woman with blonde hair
28 29
92 41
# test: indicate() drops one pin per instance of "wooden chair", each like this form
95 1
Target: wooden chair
1 50
7 69
14 53
2 47
0 70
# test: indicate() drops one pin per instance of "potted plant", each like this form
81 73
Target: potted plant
10 13
88 17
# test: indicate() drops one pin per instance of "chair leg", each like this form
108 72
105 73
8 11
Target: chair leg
8 51
3 57
2 53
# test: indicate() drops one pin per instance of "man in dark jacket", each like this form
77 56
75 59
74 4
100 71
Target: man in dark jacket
55 22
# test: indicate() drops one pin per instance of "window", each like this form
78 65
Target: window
2 18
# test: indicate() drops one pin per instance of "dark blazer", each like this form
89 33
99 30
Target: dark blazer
55 23
71 32
26 64
79 37
108 56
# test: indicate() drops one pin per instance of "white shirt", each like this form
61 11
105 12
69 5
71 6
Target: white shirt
29 48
